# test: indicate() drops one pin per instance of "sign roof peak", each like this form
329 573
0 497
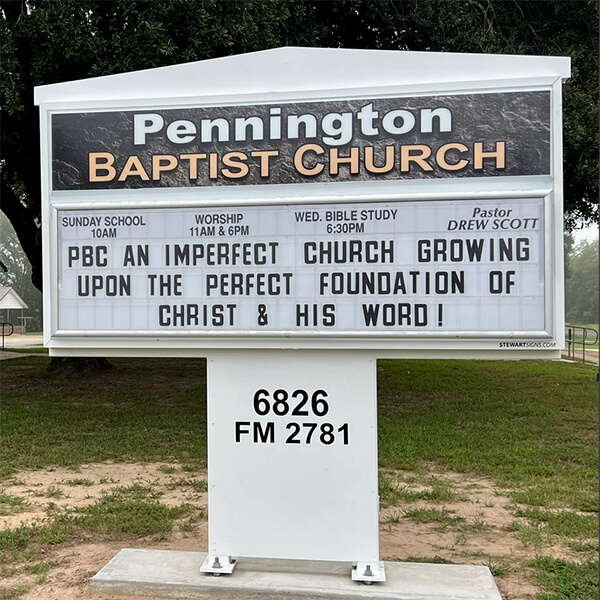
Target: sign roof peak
297 69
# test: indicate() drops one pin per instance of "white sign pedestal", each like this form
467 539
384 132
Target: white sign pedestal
292 458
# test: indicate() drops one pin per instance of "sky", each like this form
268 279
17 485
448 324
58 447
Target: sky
589 234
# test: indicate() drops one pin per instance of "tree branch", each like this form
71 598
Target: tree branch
23 219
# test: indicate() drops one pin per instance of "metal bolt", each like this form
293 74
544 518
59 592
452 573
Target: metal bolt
368 572
217 564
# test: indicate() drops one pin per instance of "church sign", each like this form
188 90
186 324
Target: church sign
293 219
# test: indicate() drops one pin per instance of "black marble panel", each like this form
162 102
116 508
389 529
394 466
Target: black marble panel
520 119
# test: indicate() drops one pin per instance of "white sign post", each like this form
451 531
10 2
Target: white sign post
409 207
292 452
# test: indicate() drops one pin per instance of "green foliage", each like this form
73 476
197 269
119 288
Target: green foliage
440 517
497 569
530 535
579 546
167 469
59 528
567 580
10 504
128 511
391 493
535 27
436 560
45 42
79 481
125 512
41 568
199 486
444 519
54 491
15 539
582 288
564 523
9 593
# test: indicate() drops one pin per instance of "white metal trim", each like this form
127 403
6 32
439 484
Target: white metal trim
557 234
423 353
297 70
276 334
48 249
458 88
398 196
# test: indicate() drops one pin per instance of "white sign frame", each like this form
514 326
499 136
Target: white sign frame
285 249
537 344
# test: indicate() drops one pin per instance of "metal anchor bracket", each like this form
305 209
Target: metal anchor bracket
218 565
369 572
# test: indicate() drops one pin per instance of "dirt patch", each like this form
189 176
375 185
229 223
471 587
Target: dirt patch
476 525
66 488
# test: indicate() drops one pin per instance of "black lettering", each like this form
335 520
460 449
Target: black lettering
370 314
522 249
132 259
329 315
266 435
241 428
474 250
292 438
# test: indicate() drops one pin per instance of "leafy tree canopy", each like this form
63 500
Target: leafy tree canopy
15 272
43 42
582 285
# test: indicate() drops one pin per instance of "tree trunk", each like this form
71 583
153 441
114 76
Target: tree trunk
69 366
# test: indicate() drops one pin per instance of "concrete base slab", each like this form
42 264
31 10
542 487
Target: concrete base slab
169 574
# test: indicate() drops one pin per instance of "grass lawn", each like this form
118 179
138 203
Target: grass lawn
143 410
530 427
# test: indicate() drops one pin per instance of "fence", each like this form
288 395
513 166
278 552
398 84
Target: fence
577 335
6 329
